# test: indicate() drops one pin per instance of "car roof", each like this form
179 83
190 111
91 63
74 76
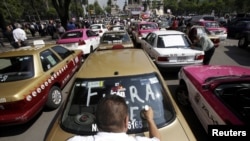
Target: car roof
117 62
28 50
170 32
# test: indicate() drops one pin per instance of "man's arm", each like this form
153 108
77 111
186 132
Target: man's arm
153 130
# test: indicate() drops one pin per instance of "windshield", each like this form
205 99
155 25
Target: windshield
236 96
79 114
16 68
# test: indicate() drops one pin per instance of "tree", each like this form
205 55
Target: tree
62 9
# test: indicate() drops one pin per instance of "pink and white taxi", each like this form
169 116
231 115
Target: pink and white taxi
218 94
84 39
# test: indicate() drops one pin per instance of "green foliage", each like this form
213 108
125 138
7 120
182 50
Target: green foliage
206 6
29 10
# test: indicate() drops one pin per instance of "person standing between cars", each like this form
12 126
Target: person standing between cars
19 36
112 122
206 44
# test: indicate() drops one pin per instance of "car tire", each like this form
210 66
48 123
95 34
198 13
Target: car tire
242 43
181 94
91 49
54 98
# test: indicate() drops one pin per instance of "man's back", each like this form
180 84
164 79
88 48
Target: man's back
104 136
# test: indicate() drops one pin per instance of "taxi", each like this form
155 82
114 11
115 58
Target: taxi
131 74
218 94
115 37
32 78
141 30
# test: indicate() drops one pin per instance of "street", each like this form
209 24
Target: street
226 54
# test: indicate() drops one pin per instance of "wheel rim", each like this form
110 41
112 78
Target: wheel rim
182 97
56 97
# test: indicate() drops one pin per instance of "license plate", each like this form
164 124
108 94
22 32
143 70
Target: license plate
181 59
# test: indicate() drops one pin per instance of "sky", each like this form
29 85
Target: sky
103 3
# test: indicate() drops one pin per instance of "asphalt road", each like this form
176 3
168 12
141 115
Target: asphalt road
226 54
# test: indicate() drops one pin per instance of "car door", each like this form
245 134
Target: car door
93 38
70 62
149 44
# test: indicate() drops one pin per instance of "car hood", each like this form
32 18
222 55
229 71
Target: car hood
202 73
182 51
174 131
17 90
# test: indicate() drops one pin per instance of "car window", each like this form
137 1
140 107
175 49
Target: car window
79 114
73 34
212 25
95 27
236 96
91 33
62 52
148 26
118 37
151 38
48 59
16 68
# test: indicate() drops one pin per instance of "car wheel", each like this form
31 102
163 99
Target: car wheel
54 98
91 49
242 43
181 94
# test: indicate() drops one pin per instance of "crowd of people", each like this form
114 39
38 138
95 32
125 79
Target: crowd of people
55 29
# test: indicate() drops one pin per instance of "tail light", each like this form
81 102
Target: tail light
81 42
199 57
118 46
165 59
13 106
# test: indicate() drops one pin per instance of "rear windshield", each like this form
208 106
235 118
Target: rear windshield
79 113
95 27
119 37
74 34
16 68
148 26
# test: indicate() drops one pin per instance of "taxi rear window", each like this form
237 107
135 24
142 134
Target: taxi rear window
79 114
75 34
119 37
16 68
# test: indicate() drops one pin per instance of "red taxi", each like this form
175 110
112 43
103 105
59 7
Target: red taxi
32 78
218 94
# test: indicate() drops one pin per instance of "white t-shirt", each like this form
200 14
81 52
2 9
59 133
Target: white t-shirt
104 136
19 34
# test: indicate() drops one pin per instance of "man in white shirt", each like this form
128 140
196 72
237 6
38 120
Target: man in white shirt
112 121
19 36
